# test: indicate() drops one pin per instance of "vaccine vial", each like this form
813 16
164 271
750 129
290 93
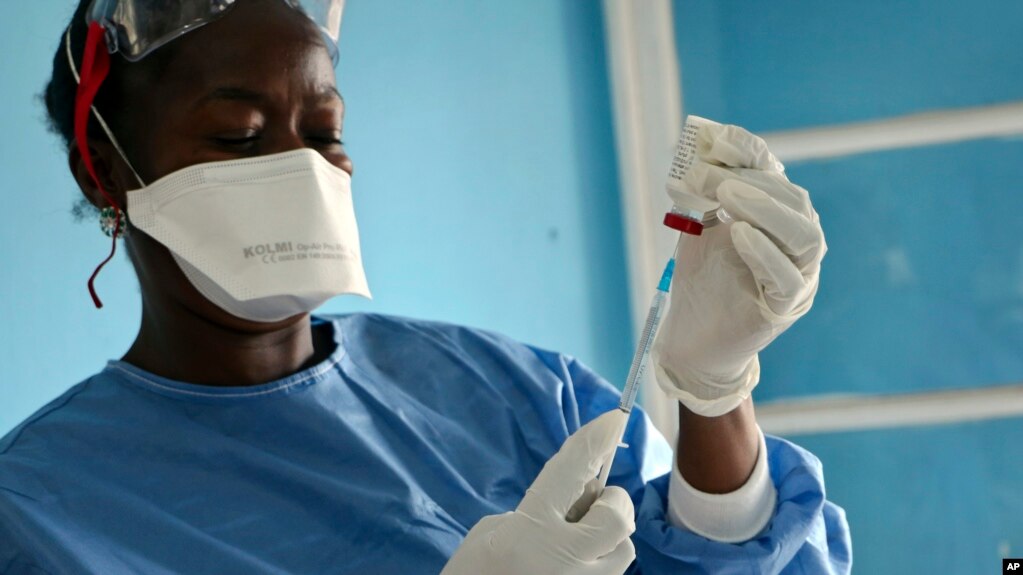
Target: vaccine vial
690 213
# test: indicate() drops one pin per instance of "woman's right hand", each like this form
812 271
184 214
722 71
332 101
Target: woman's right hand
537 539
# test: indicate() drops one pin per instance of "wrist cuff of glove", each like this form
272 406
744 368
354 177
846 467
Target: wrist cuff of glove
704 396
730 517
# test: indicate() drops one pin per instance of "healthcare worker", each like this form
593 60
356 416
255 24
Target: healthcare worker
240 434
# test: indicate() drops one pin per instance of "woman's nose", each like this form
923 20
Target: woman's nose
284 140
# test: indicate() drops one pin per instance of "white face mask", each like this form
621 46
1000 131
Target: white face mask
263 238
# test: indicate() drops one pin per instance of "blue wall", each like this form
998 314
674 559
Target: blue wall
923 500
790 64
922 288
486 189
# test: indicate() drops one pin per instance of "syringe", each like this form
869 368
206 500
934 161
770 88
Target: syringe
642 354
690 214
639 359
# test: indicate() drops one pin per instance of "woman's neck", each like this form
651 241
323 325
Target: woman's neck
186 347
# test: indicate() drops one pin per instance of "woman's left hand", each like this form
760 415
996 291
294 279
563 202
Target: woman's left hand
740 284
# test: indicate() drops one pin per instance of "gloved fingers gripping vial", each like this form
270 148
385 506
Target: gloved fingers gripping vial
745 282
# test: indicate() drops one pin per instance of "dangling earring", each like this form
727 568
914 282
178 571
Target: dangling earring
108 221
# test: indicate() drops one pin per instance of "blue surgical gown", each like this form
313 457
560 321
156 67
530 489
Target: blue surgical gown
377 460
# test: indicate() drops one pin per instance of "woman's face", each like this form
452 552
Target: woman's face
257 81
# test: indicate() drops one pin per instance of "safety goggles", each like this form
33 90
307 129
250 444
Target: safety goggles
137 27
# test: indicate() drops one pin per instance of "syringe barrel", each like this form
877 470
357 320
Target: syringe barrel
639 359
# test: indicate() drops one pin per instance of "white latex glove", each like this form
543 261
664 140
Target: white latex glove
741 284
537 539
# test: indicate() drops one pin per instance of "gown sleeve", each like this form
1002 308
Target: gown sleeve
806 533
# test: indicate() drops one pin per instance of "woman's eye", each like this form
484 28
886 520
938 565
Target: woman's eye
239 141
327 140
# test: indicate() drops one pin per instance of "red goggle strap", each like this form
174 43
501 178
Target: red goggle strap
94 70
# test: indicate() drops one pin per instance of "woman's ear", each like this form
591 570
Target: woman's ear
112 171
